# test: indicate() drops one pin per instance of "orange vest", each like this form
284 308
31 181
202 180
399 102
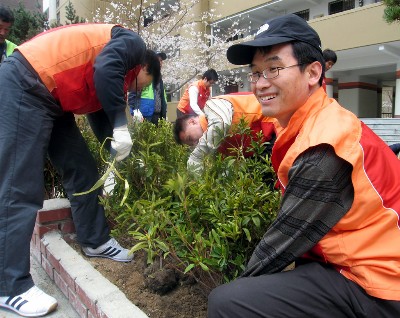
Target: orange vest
64 62
246 106
204 94
365 244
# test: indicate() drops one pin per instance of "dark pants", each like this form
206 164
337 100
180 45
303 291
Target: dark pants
32 126
309 291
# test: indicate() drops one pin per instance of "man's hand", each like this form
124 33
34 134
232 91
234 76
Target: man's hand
122 142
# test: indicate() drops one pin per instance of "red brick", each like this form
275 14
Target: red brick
43 248
33 238
47 267
67 227
90 315
35 242
53 261
67 277
77 304
90 304
61 283
41 230
53 215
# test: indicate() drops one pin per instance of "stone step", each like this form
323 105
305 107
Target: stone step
386 128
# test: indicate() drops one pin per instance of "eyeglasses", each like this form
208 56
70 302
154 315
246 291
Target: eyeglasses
268 73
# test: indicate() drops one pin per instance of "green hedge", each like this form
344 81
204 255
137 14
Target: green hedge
206 226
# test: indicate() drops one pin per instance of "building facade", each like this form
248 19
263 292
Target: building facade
30 5
366 77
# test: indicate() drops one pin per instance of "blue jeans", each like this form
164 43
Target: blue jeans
32 126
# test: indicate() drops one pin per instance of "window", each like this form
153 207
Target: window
304 14
147 21
237 36
57 3
160 10
340 6
231 87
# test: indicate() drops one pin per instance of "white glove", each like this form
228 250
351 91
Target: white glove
122 142
137 116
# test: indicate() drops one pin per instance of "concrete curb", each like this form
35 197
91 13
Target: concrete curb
89 293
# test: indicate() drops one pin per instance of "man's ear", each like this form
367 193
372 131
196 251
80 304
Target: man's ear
145 68
314 70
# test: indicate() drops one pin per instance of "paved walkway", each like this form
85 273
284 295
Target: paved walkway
43 281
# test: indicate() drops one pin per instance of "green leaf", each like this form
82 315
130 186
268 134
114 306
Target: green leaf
138 246
247 234
256 221
188 268
204 267
99 182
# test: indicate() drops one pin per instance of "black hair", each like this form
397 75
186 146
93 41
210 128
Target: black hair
329 55
210 75
6 15
153 65
307 54
180 125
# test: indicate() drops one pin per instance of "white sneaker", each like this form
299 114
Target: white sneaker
111 249
32 303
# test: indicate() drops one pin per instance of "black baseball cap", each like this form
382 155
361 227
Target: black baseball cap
278 30
162 55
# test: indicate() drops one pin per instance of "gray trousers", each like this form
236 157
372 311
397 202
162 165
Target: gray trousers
309 291
32 126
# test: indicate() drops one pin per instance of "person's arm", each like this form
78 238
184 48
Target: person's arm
219 113
122 53
319 193
193 98
101 126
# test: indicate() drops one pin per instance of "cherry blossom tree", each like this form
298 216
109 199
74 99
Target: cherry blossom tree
187 33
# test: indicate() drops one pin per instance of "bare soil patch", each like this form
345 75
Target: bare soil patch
158 292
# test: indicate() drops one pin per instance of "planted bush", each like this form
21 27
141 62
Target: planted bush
204 225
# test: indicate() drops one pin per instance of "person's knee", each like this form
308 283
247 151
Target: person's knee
220 302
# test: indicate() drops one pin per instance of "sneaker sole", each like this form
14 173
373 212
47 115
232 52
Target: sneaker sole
109 257
51 308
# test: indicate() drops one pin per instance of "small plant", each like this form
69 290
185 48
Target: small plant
206 226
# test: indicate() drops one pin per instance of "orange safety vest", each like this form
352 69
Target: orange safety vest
204 94
364 245
64 62
246 106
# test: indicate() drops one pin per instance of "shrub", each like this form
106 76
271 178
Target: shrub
204 225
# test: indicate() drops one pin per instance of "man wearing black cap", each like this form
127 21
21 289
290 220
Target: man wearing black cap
339 214
152 100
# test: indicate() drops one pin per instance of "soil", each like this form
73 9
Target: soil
159 293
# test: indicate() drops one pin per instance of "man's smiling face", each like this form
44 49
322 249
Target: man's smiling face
280 97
